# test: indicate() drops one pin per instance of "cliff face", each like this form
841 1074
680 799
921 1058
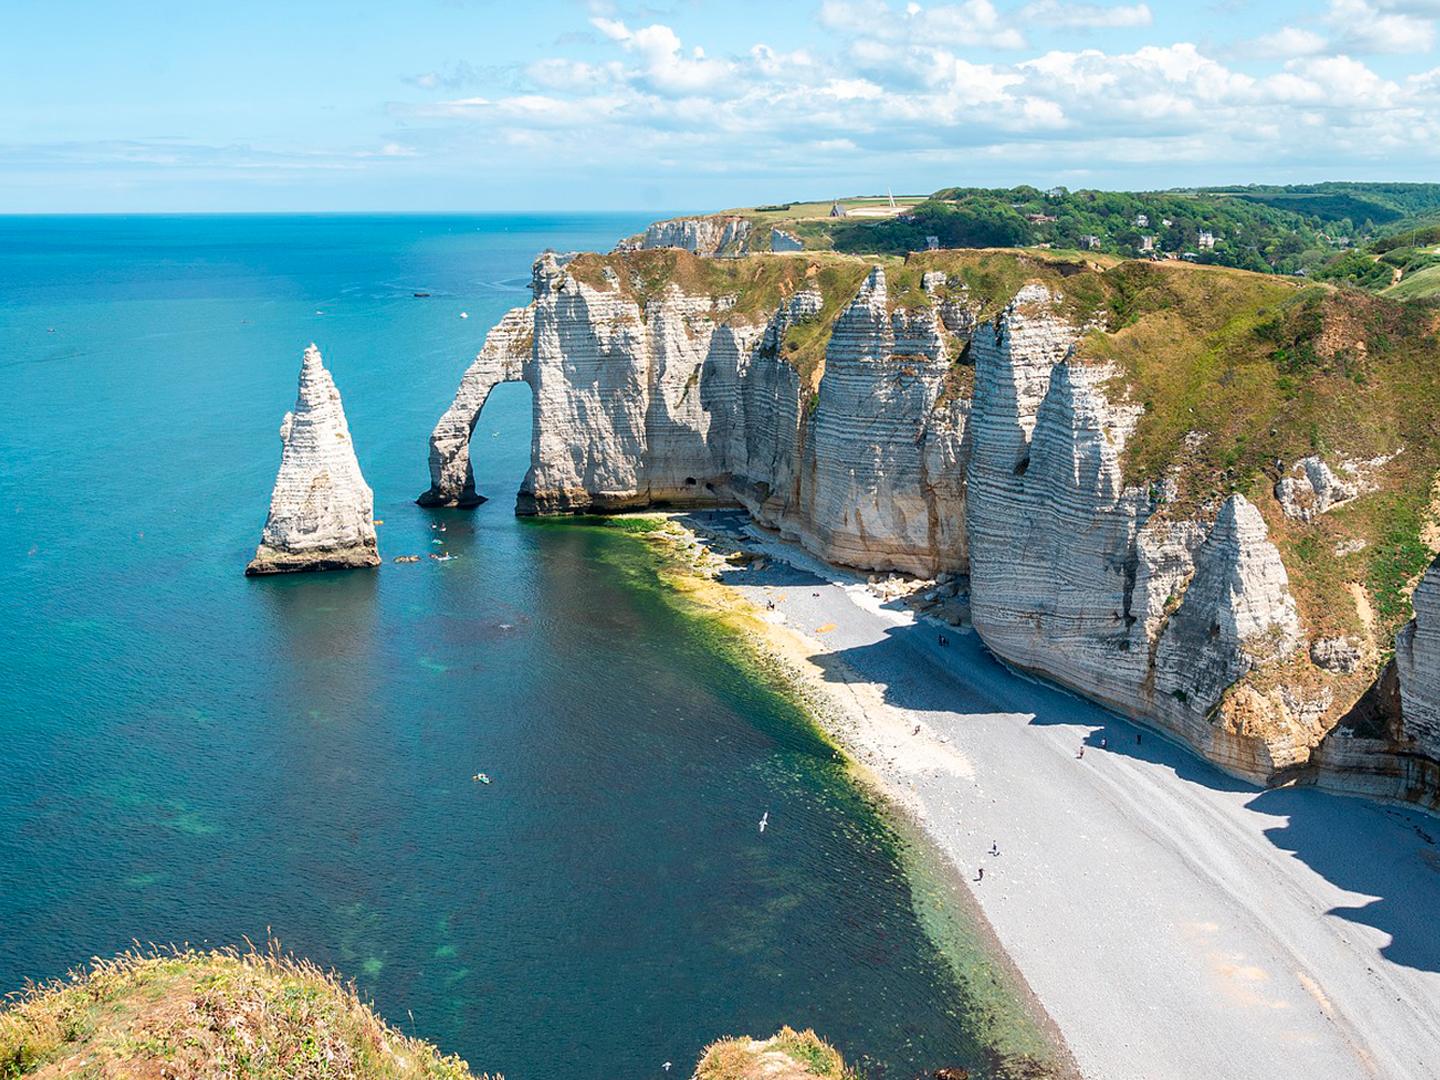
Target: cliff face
1076 575
697 235
1417 658
956 421
321 512
670 398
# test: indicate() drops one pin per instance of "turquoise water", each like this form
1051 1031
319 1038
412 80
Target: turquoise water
190 755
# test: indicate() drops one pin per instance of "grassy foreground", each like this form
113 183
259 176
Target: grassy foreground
231 1014
208 1014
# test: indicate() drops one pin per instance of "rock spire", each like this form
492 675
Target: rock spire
322 511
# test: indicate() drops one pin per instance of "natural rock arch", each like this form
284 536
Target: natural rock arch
503 359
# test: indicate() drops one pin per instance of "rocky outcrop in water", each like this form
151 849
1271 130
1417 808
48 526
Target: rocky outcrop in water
937 438
321 511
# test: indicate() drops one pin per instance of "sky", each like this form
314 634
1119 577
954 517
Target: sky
435 105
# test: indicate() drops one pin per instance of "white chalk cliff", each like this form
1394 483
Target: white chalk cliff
1417 656
698 235
890 462
321 511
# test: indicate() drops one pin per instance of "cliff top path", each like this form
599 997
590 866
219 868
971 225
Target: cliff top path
1174 922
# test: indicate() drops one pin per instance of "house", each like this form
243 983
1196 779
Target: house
1142 221
1057 193
836 210
1206 240
1090 241
1166 222
932 243
1039 219
1147 243
1190 256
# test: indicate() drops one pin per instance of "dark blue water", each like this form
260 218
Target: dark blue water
190 755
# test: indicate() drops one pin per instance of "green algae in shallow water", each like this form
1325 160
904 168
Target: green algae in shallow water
1012 1036
589 893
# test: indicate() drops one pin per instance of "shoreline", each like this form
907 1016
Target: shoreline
1168 919
783 657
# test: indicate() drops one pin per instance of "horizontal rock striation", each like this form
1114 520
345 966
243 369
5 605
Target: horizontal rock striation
322 511
1078 576
945 433
673 401
502 359
1417 659
707 236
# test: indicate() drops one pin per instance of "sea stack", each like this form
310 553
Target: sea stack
322 511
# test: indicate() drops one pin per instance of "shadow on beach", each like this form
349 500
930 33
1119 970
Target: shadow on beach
1369 848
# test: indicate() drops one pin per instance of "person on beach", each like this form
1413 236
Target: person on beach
1081 754
1104 743
980 874
994 847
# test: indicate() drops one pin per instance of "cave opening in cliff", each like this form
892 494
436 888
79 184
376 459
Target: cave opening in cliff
500 441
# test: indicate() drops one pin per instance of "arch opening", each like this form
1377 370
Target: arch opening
501 441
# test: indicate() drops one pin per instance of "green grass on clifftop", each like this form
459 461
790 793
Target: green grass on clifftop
1241 375
256 1015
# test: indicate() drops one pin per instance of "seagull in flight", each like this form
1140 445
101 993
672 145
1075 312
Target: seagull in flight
764 820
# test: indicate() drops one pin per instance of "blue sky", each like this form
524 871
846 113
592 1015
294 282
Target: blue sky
472 105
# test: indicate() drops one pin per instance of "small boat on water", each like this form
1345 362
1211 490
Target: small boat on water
480 778
420 295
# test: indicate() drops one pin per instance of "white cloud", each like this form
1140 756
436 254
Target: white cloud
972 22
1290 41
1362 27
662 61
1062 15
897 84
1357 28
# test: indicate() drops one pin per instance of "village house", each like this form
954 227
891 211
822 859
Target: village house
1090 241
1206 240
1142 221
1147 243
1039 219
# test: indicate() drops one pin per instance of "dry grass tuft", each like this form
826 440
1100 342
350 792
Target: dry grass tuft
172 1013
788 1055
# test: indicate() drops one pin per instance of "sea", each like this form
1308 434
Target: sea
191 756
